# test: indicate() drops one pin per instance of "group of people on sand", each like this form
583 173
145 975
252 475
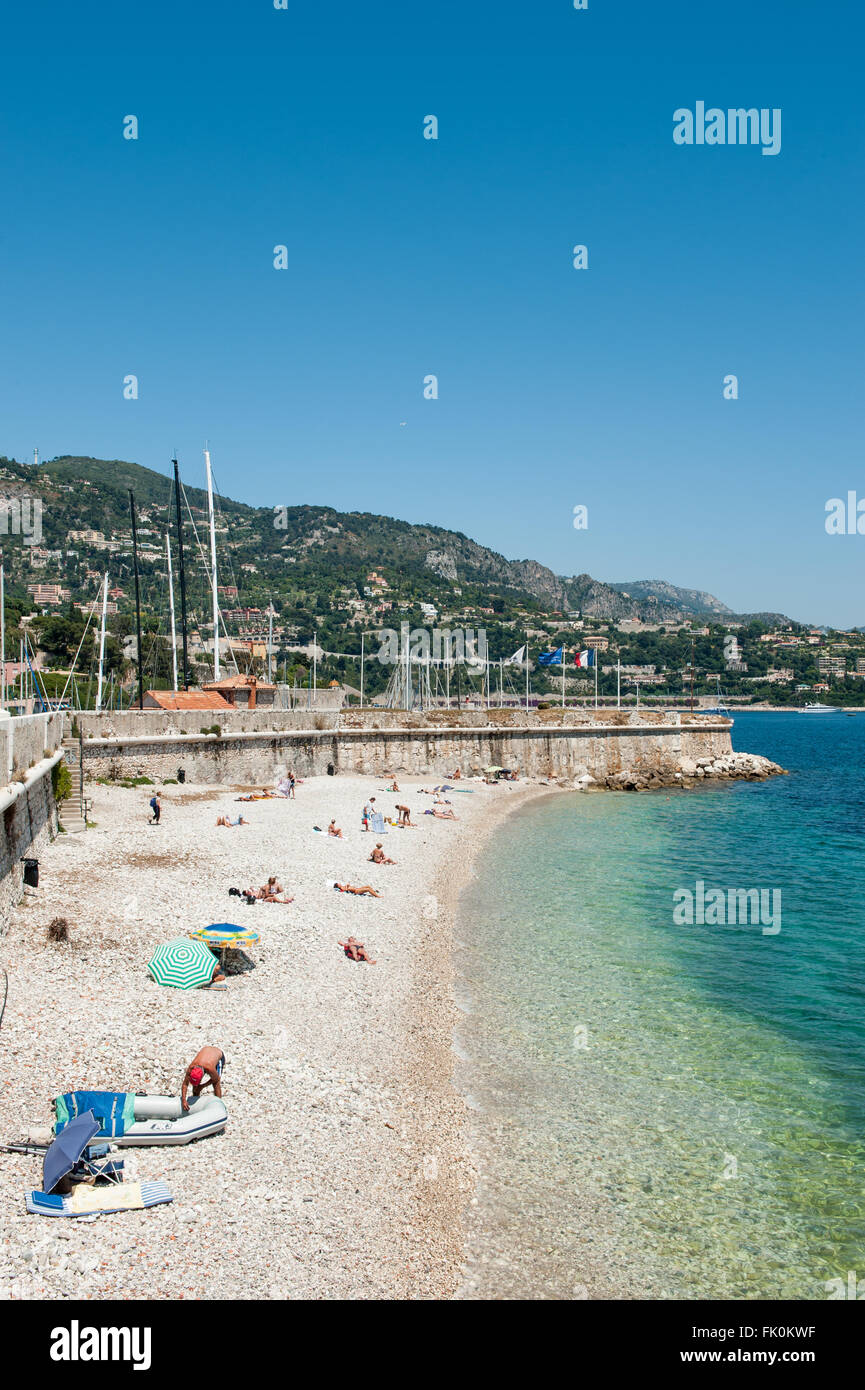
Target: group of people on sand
403 821
283 789
269 892
273 892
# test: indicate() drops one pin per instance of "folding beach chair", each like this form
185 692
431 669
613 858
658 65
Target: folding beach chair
96 1165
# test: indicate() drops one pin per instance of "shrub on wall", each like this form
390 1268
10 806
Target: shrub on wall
61 781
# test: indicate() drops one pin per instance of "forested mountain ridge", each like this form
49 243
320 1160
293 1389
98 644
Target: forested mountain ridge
316 547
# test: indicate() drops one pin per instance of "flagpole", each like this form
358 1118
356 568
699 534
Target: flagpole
527 677
362 640
596 678
501 683
618 682
563 677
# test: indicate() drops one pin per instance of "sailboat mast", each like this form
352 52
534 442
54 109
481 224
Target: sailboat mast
137 601
182 574
102 643
212 522
3 634
171 610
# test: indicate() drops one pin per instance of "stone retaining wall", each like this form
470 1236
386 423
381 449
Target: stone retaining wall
29 814
543 749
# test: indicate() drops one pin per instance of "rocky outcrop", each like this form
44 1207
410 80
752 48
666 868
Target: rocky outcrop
442 563
749 767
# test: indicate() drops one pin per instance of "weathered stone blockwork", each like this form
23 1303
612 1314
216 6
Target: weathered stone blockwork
29 822
559 744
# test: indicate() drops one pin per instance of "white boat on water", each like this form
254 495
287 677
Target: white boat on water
816 708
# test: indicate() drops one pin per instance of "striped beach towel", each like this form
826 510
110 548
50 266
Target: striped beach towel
88 1201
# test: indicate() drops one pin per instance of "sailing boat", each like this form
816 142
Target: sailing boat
720 708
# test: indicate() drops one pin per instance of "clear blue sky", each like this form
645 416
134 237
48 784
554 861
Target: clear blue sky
409 257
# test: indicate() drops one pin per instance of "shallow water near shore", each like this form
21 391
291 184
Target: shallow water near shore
662 1110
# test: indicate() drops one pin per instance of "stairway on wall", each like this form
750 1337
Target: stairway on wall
71 811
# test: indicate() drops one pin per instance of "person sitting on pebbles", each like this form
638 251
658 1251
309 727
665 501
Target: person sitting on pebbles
334 830
378 856
355 950
269 892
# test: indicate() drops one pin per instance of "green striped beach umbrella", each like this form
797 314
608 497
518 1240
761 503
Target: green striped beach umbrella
182 964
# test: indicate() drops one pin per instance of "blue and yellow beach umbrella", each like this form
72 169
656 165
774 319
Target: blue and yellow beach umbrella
224 936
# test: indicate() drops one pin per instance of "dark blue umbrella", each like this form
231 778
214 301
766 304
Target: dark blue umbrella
67 1148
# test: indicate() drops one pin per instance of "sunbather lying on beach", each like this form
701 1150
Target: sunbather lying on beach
263 795
355 950
351 888
334 830
441 814
378 856
224 820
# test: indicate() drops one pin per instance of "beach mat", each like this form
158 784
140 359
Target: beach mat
91 1201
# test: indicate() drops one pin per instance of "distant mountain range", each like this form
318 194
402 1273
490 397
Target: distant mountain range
294 553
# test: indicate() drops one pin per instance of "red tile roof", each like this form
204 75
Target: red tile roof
187 699
239 683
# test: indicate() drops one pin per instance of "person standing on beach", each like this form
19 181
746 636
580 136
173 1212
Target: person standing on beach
291 782
156 808
367 813
404 816
205 1069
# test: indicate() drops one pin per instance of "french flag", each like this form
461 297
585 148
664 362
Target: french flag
587 658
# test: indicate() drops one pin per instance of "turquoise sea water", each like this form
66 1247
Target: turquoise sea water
665 1110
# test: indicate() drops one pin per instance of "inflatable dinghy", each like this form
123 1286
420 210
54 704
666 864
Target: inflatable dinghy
162 1120
127 1119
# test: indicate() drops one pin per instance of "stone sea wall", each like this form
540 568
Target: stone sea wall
29 822
616 748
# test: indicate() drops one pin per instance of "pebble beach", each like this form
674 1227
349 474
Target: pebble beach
344 1170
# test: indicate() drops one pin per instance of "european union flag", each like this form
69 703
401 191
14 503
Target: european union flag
551 658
